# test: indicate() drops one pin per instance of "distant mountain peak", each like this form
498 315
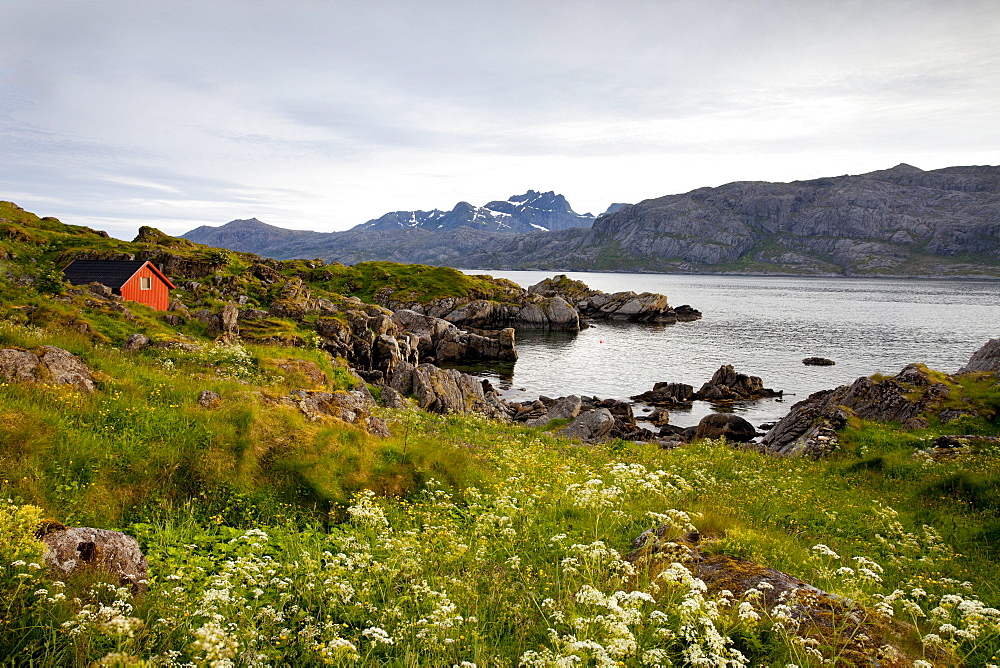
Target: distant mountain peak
903 168
534 211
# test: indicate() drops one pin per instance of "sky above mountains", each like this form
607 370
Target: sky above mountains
322 115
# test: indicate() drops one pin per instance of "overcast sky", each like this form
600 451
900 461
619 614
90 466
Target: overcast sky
322 115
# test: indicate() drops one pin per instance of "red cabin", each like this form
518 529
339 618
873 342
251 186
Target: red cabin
135 280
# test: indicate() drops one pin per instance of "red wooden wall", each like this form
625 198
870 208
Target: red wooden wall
158 297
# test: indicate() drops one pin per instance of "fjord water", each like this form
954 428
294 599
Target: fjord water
763 326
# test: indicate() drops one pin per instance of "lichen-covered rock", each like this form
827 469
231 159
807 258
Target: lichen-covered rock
18 365
82 549
226 322
392 399
986 359
208 399
354 407
810 426
46 364
451 391
135 342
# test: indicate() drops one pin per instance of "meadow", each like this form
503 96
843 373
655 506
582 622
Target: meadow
459 541
274 540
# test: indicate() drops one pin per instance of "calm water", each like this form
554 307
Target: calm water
764 327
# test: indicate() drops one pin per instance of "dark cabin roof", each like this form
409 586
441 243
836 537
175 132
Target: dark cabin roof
112 273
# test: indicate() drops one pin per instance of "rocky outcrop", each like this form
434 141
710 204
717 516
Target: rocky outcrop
447 390
82 549
818 361
374 339
441 341
727 386
544 409
985 359
820 617
725 425
525 311
45 364
354 408
556 303
135 342
670 395
810 427
225 323
594 304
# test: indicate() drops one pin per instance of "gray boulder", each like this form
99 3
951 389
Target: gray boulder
732 427
82 549
46 364
18 365
592 425
135 342
451 391
208 399
392 399
226 322
566 407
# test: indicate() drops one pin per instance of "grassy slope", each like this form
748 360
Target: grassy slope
480 538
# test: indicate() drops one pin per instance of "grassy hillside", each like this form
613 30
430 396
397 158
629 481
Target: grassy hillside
273 540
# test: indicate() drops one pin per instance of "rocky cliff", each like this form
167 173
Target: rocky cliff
896 222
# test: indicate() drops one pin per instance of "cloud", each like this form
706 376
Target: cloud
326 114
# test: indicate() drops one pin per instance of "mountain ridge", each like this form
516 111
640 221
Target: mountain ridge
901 221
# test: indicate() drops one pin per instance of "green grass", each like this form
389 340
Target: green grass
461 538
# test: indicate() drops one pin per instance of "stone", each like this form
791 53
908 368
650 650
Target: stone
561 315
226 322
673 395
82 549
385 354
63 368
354 407
818 361
392 399
135 342
18 365
451 391
985 359
810 426
564 408
402 378
727 385
376 426
732 427
659 417
208 399
592 425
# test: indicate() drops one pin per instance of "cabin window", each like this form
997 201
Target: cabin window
145 283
